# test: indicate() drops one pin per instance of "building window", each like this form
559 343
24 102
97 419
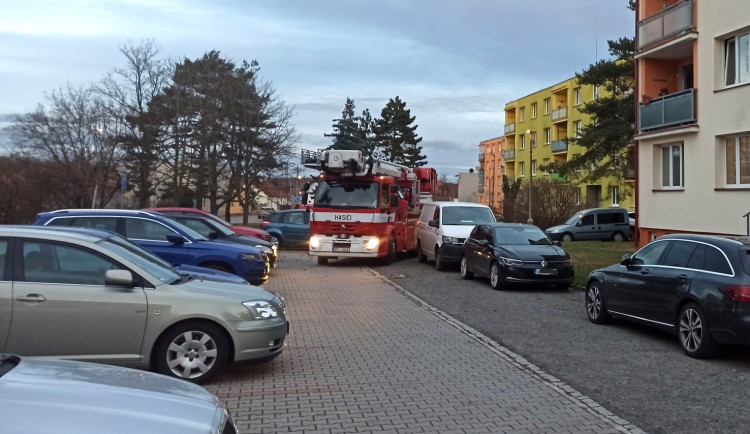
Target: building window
533 110
737 60
522 140
738 160
615 196
533 139
577 195
533 167
547 136
521 169
577 95
596 91
579 128
671 166
547 105
545 163
522 114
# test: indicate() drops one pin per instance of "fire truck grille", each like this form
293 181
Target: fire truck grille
333 228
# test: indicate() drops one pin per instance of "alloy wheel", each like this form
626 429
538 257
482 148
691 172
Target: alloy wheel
191 354
691 330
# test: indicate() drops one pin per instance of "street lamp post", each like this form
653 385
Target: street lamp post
531 153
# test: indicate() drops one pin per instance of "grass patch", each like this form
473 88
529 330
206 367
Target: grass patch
589 255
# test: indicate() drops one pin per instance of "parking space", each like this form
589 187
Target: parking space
364 355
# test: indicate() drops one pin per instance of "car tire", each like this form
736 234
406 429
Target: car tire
618 237
276 240
496 278
464 267
322 260
694 333
195 351
421 257
595 307
439 264
566 237
391 256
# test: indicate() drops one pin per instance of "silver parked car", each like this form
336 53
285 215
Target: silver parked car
56 396
90 295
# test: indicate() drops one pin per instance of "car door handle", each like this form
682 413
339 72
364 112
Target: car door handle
34 298
682 278
645 271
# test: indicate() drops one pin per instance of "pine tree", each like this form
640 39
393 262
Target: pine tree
346 129
396 137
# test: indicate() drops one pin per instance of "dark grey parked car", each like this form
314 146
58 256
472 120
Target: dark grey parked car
89 295
54 396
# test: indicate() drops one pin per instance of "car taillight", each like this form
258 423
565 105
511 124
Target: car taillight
738 292
264 223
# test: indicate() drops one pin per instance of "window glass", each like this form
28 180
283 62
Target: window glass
730 62
521 236
295 218
276 217
716 261
59 222
198 226
679 254
649 255
743 59
66 264
671 166
587 220
466 215
3 257
698 258
141 229
738 160
104 223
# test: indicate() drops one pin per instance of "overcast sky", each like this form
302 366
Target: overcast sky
455 63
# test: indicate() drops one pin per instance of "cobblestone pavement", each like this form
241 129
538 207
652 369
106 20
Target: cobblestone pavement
366 356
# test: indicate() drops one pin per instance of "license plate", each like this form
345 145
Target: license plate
342 249
545 271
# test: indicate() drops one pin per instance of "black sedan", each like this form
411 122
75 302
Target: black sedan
696 286
511 253
216 231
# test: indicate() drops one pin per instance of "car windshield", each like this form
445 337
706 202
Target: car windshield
347 194
573 219
521 236
467 215
191 233
152 264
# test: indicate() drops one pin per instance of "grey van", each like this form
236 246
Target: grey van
593 224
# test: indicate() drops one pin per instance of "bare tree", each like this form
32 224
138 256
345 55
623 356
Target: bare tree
551 203
21 200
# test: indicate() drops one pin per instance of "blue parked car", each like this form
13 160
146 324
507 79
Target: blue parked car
168 239
288 227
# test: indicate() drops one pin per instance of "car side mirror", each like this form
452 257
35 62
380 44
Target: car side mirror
123 278
579 223
626 261
213 235
557 243
433 224
394 201
176 239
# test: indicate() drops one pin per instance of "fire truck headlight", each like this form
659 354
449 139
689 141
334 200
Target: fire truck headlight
315 242
372 244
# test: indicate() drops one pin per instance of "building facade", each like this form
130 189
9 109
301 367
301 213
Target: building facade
490 173
536 129
693 124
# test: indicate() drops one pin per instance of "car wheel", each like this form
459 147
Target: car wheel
566 237
322 260
595 308
694 333
465 273
496 278
276 240
618 237
421 257
439 264
193 351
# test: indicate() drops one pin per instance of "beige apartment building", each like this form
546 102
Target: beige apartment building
693 121
490 174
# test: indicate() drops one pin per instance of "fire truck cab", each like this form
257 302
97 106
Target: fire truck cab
365 209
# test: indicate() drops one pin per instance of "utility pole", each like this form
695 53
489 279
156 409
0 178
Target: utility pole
531 153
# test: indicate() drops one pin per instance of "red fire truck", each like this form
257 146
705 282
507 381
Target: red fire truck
364 209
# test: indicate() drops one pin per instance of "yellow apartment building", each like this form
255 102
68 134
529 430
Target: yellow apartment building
536 127
491 173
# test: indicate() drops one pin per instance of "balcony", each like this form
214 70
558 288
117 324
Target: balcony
480 188
510 129
559 146
675 109
509 155
670 21
481 158
559 115
628 172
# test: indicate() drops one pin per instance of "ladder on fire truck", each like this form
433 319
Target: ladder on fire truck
351 162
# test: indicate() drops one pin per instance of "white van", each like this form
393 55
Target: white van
443 227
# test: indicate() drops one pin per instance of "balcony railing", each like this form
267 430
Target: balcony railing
674 109
510 128
481 157
668 22
559 146
509 155
559 114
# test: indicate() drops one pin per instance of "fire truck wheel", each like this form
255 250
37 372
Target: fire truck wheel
322 260
391 257
421 257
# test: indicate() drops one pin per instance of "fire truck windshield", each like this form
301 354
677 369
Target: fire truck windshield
347 194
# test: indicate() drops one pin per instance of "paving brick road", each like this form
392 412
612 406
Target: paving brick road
365 356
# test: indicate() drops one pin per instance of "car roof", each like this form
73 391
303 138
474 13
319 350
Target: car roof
81 234
711 239
508 225
165 209
452 203
100 211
